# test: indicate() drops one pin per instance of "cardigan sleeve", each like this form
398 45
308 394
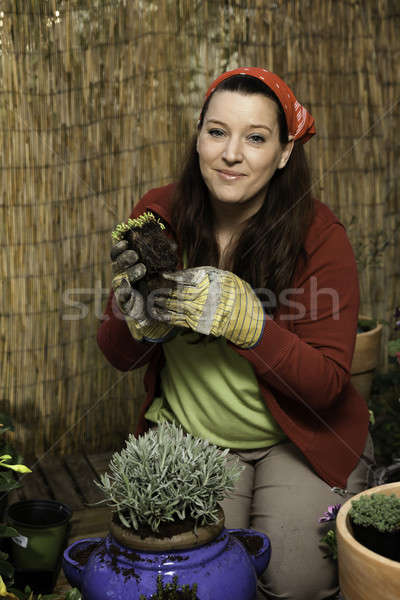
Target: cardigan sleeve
116 342
310 362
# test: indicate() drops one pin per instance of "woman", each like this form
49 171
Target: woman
272 379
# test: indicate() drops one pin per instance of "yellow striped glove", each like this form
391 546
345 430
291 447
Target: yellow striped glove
211 301
127 273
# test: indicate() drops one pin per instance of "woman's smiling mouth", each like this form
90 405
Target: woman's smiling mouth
229 175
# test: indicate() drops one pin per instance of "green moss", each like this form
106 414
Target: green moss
376 510
364 325
120 230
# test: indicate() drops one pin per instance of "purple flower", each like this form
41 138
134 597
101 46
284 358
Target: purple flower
330 514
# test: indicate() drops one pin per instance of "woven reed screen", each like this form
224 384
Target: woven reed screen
97 102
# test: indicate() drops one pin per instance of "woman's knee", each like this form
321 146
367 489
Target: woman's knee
237 505
300 575
287 504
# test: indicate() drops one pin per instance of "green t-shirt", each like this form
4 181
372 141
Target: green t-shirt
213 393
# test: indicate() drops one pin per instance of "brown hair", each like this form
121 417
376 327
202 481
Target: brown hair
272 243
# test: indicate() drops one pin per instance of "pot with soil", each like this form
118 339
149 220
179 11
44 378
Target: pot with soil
76 557
368 538
366 355
375 519
167 537
36 553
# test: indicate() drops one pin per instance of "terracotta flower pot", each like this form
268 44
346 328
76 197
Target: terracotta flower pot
366 359
179 541
385 543
364 574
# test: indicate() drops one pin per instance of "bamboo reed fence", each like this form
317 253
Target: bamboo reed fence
98 99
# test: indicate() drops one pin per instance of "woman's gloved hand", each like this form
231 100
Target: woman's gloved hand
127 272
212 301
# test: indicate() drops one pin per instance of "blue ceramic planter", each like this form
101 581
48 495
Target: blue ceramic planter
222 568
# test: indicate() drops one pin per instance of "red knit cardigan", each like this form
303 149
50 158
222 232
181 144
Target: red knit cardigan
303 360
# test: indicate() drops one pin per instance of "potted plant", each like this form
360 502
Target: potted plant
164 490
43 528
369 251
375 520
7 483
366 355
28 594
365 574
7 480
147 236
384 403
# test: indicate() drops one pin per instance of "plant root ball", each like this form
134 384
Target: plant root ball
157 252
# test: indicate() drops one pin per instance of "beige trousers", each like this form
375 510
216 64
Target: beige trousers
279 494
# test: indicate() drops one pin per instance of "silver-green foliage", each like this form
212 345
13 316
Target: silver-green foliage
378 510
166 475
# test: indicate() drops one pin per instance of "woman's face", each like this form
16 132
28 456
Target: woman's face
239 148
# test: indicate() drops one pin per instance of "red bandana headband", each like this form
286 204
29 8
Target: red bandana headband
299 121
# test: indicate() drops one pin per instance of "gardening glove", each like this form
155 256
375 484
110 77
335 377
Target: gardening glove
128 272
212 301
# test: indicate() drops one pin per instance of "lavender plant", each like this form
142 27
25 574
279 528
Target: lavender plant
166 476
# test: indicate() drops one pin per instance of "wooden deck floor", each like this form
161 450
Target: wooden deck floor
69 479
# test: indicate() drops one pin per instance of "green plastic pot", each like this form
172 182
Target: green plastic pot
36 553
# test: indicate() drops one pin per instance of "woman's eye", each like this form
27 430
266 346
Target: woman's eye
216 132
258 139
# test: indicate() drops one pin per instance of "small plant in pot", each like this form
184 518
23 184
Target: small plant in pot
375 520
8 456
167 534
384 402
365 324
147 236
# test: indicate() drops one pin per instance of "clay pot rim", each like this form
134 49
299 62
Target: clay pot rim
343 525
371 331
181 541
